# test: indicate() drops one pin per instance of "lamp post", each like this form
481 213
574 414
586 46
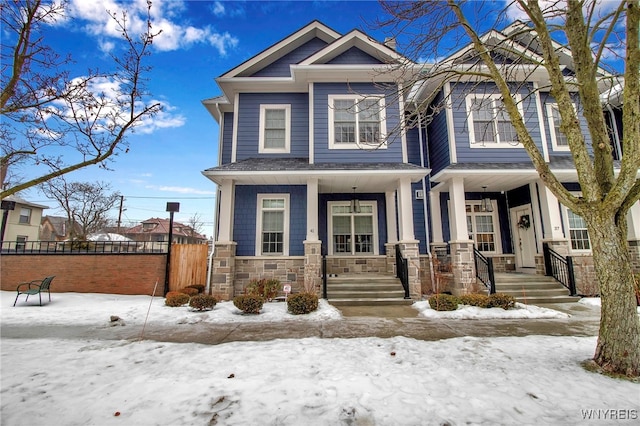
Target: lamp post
6 206
171 208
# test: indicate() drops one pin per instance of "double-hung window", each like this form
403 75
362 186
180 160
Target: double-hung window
559 140
356 121
578 233
353 233
25 216
489 122
482 228
275 129
272 224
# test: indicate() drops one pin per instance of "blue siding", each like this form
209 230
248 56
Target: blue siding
244 220
323 154
249 123
546 98
413 146
418 218
466 154
227 137
280 68
438 140
354 56
323 199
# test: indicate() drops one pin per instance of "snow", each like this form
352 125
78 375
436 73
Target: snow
312 381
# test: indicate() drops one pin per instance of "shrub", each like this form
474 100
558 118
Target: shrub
202 302
479 300
302 303
501 300
189 291
248 303
199 287
266 288
176 298
444 302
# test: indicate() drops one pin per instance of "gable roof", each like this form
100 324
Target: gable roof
162 227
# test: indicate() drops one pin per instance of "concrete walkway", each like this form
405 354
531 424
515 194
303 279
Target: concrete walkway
357 321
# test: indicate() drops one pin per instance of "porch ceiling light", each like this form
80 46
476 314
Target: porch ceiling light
486 206
355 203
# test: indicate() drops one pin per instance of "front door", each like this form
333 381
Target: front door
524 236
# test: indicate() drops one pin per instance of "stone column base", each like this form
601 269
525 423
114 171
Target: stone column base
463 267
390 249
313 267
223 270
411 251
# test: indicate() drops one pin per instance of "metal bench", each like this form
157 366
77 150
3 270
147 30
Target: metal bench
34 287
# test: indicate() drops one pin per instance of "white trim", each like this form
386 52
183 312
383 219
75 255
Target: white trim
358 144
470 123
234 138
285 236
374 214
543 134
550 106
403 129
287 126
311 126
451 130
312 210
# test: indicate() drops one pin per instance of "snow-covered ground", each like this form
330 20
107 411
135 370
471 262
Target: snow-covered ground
312 381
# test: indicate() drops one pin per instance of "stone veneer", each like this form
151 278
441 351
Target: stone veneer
355 265
463 267
288 270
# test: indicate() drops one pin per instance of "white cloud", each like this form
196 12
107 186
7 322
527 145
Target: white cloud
218 8
181 190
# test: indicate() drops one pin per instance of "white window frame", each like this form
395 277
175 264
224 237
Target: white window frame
285 236
27 216
262 149
357 145
565 219
374 214
498 143
552 127
496 224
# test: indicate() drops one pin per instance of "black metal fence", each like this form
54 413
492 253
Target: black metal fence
560 268
484 270
82 247
402 271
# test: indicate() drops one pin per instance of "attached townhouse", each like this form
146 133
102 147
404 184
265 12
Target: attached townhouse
318 159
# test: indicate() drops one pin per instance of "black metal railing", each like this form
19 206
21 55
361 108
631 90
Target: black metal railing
484 270
324 276
82 247
560 268
402 271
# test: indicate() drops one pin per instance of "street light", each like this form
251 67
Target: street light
171 208
6 206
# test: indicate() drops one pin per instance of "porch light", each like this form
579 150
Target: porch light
485 206
355 203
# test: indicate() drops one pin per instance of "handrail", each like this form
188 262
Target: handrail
402 271
324 276
484 270
82 247
560 268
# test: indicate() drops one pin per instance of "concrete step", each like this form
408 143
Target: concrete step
365 290
533 289
370 302
543 300
534 292
337 294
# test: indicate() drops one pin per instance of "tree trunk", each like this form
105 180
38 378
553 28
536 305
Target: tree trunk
618 349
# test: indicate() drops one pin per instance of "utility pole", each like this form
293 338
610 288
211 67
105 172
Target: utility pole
120 212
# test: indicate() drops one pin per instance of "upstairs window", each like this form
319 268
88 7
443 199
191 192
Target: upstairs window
489 122
559 140
356 121
25 216
275 129
272 224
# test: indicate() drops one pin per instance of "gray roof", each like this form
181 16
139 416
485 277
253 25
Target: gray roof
564 162
302 164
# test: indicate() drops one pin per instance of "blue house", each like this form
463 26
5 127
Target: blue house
323 151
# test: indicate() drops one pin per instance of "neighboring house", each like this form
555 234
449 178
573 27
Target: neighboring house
22 223
157 230
57 228
313 160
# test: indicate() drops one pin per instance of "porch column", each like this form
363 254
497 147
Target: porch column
223 267
405 210
462 261
552 220
633 236
438 246
312 244
392 231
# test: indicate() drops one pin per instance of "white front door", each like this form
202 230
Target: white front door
523 236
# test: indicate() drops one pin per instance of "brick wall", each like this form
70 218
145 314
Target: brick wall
87 273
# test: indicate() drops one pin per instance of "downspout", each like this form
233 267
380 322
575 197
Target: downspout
616 136
217 208
424 192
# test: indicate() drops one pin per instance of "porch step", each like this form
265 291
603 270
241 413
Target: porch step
533 289
365 290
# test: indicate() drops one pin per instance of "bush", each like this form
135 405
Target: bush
501 300
189 291
176 298
199 287
444 302
302 303
479 300
203 302
248 303
266 288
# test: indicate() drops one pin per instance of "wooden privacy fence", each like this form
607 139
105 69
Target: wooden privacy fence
188 265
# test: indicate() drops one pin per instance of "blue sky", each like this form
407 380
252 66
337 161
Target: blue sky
166 163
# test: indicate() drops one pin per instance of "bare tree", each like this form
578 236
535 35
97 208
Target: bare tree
588 31
86 204
52 121
195 224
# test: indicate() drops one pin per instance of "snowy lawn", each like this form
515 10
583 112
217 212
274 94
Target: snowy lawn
311 381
